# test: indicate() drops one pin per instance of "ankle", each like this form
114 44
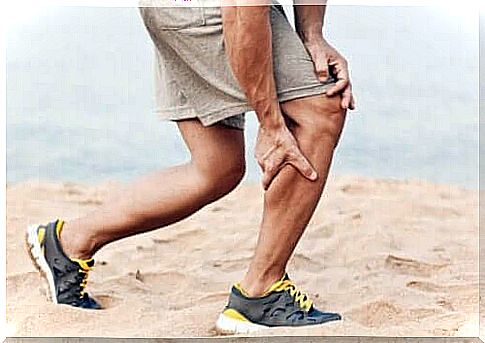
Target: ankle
75 244
256 284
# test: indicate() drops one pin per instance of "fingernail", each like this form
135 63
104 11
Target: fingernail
314 175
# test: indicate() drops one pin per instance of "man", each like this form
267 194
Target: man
214 63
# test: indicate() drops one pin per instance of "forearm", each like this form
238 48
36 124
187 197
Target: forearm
309 20
247 35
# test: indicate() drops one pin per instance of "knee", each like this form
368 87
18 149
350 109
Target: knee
221 178
325 120
229 176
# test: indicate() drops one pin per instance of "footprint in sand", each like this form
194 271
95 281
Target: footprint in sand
214 297
231 265
425 286
412 267
164 282
107 301
382 313
179 237
378 313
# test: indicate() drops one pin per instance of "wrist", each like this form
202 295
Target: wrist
272 121
272 124
269 115
311 37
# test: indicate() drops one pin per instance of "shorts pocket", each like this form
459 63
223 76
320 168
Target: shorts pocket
172 14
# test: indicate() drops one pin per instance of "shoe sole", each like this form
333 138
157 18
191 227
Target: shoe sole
39 261
226 325
230 326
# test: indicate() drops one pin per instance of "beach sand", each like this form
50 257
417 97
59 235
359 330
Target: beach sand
396 258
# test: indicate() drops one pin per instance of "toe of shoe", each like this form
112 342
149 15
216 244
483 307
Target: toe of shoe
90 304
331 316
323 317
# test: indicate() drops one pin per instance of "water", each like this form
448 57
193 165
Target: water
79 97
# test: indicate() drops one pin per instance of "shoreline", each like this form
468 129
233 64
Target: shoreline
247 181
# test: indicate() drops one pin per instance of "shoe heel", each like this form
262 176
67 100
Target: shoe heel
35 253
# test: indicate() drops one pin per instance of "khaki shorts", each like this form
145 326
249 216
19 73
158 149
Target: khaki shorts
193 75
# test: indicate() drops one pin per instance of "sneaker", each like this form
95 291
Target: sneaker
66 277
282 305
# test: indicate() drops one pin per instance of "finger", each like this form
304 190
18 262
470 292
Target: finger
303 166
339 86
346 98
342 75
352 103
321 69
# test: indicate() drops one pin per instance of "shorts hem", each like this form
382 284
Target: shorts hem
186 112
302 92
206 119
215 116
175 113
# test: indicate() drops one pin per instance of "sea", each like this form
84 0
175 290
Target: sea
80 96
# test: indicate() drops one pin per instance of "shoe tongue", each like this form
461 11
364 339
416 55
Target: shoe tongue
84 264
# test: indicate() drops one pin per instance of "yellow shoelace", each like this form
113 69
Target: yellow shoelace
84 282
287 285
84 270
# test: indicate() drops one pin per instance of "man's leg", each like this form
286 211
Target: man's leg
217 165
316 122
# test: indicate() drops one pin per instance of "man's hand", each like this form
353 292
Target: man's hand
276 147
325 56
248 43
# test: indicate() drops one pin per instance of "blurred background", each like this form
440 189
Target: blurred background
80 95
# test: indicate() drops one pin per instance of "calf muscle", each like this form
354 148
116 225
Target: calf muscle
292 199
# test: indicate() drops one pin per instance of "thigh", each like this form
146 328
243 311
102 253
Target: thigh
313 111
213 146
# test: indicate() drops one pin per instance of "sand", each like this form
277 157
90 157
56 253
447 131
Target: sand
396 258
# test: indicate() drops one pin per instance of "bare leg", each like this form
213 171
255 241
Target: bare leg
217 165
289 203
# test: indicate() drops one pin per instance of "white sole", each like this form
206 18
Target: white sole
39 260
229 326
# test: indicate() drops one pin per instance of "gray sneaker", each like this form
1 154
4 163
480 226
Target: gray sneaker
66 277
282 305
